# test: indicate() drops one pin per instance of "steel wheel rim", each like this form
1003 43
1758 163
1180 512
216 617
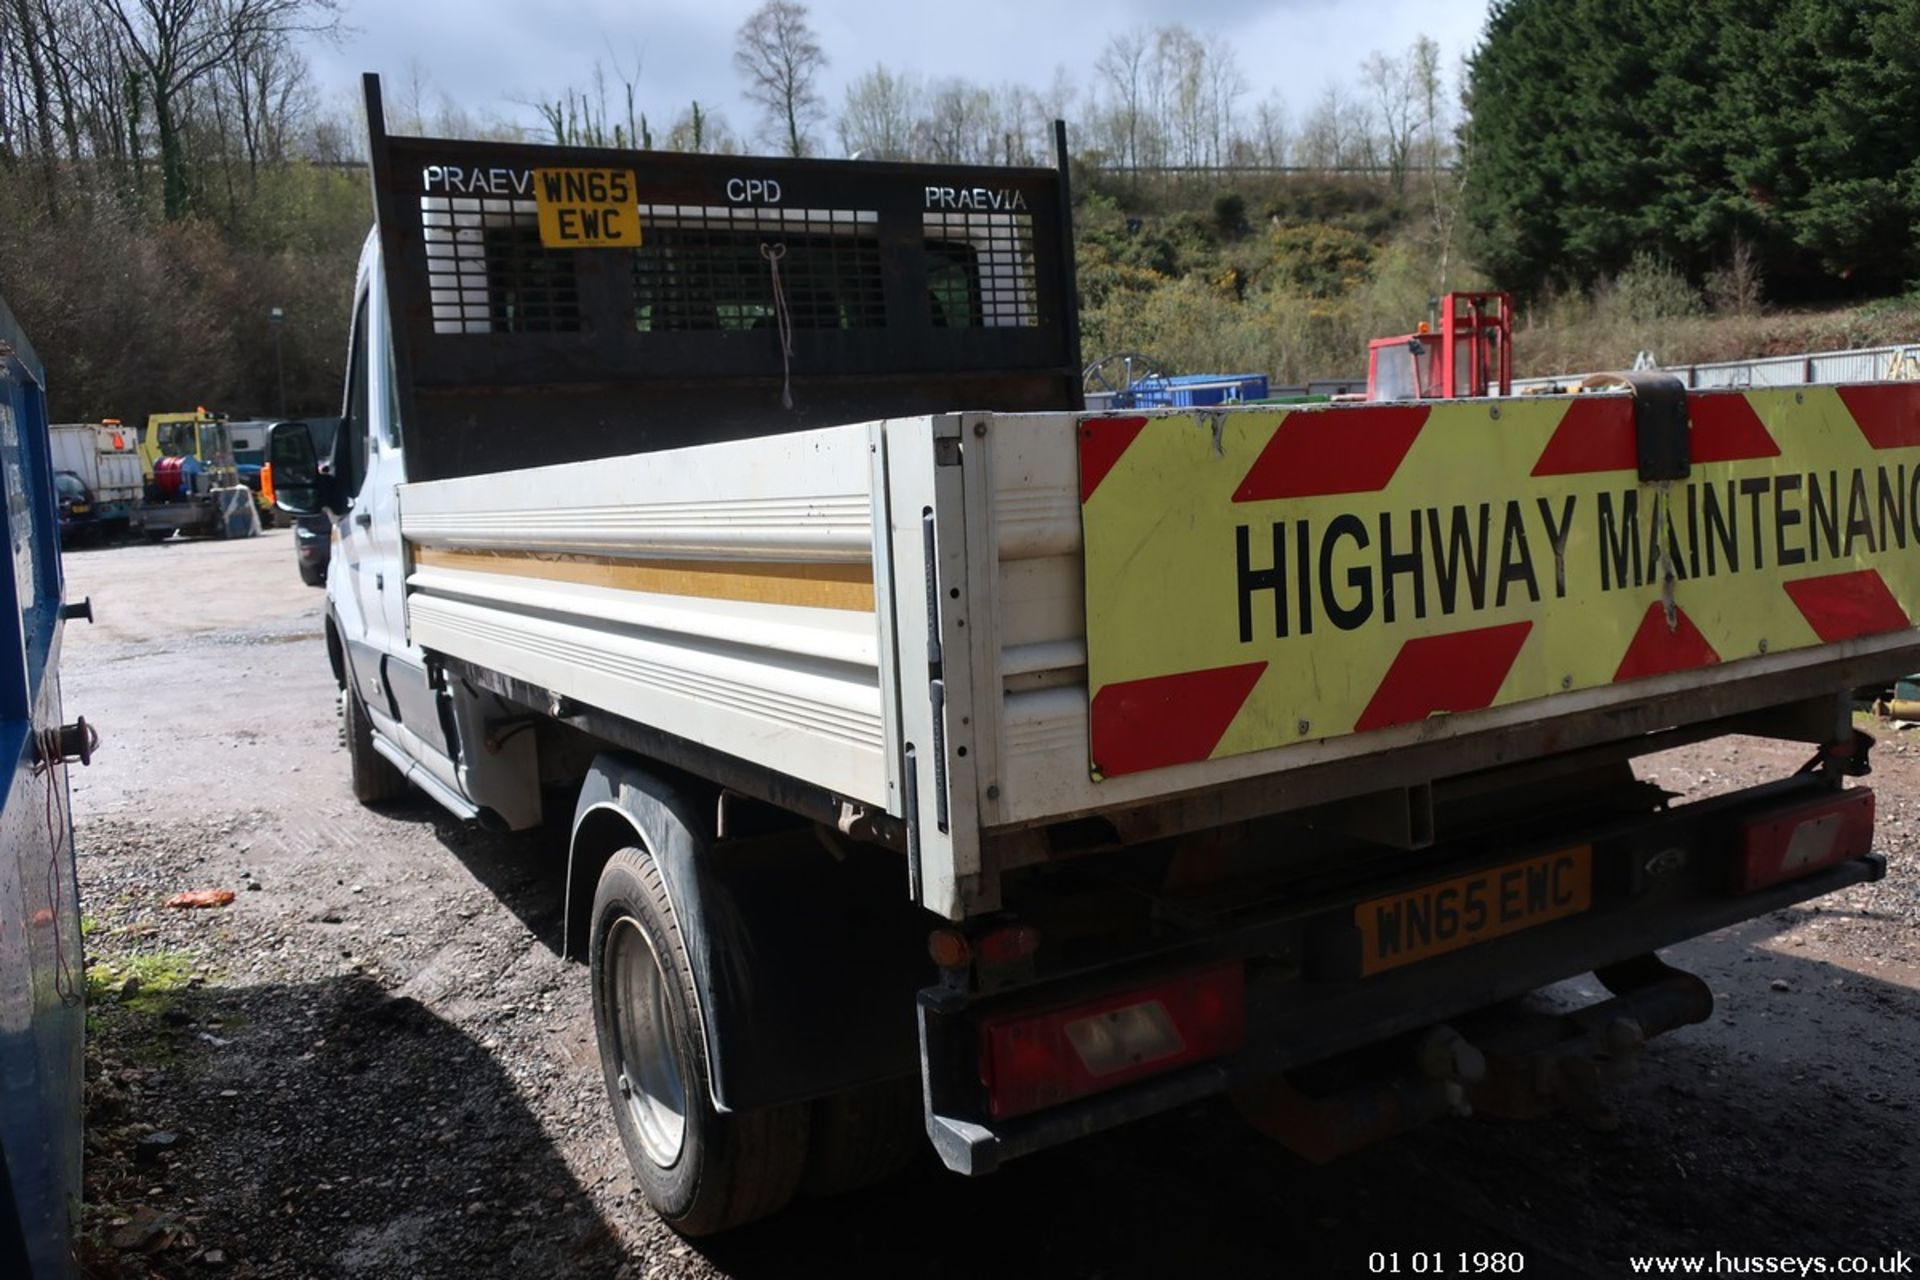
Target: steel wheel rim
650 1081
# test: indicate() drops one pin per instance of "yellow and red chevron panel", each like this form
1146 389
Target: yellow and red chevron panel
1271 577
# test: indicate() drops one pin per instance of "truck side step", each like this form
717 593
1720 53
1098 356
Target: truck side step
443 795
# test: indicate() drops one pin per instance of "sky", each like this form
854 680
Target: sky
485 55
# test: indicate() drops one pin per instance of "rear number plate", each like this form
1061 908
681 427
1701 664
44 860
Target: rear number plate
1437 918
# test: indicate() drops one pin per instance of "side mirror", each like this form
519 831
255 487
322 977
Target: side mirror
298 487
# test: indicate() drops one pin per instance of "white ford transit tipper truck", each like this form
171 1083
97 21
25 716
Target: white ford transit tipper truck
945 760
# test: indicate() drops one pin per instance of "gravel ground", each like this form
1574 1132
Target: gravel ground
375 1063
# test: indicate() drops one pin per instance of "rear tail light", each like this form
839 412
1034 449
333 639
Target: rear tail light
1789 843
1029 1061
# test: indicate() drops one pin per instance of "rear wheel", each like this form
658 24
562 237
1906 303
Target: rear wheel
375 780
312 574
701 1171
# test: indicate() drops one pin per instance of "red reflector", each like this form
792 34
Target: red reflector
1029 1061
1789 843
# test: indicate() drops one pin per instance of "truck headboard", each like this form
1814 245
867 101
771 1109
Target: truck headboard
554 304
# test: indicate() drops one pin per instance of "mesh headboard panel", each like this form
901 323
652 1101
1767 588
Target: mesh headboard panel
898 289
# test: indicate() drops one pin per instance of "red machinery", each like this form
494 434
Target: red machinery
1470 354
171 479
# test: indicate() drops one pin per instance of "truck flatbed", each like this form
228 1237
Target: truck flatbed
1166 618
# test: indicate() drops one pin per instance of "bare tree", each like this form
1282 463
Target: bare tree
1180 61
700 129
1055 102
1225 87
1423 64
268 84
1269 140
28 40
958 124
1326 138
877 119
175 44
583 118
1123 66
1447 183
408 112
1395 92
776 51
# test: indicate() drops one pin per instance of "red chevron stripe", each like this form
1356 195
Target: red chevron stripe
1598 435
1888 414
1595 435
1102 441
1326 451
1724 428
1841 606
1462 671
1658 648
1164 720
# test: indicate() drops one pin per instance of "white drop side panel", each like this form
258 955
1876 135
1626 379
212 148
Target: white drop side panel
723 593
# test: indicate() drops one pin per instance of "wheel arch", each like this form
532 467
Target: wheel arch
623 803
805 962
336 651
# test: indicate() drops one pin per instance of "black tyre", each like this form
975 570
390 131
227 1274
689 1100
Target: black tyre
702 1172
375 780
864 1136
314 575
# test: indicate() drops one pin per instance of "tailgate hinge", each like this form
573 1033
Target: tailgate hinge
1660 428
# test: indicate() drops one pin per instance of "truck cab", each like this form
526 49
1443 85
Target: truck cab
385 684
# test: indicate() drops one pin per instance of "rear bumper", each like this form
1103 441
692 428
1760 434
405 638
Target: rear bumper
1298 1014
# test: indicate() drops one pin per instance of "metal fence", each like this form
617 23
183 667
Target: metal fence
1862 364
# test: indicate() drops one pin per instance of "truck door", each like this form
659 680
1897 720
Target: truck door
376 513
358 608
392 672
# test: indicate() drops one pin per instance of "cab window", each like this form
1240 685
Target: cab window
352 445
214 442
176 439
393 397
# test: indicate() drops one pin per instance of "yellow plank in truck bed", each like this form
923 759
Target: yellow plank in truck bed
1255 580
826 585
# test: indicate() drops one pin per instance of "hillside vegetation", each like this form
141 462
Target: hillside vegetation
1293 281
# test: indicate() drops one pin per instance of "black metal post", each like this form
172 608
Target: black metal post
277 319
